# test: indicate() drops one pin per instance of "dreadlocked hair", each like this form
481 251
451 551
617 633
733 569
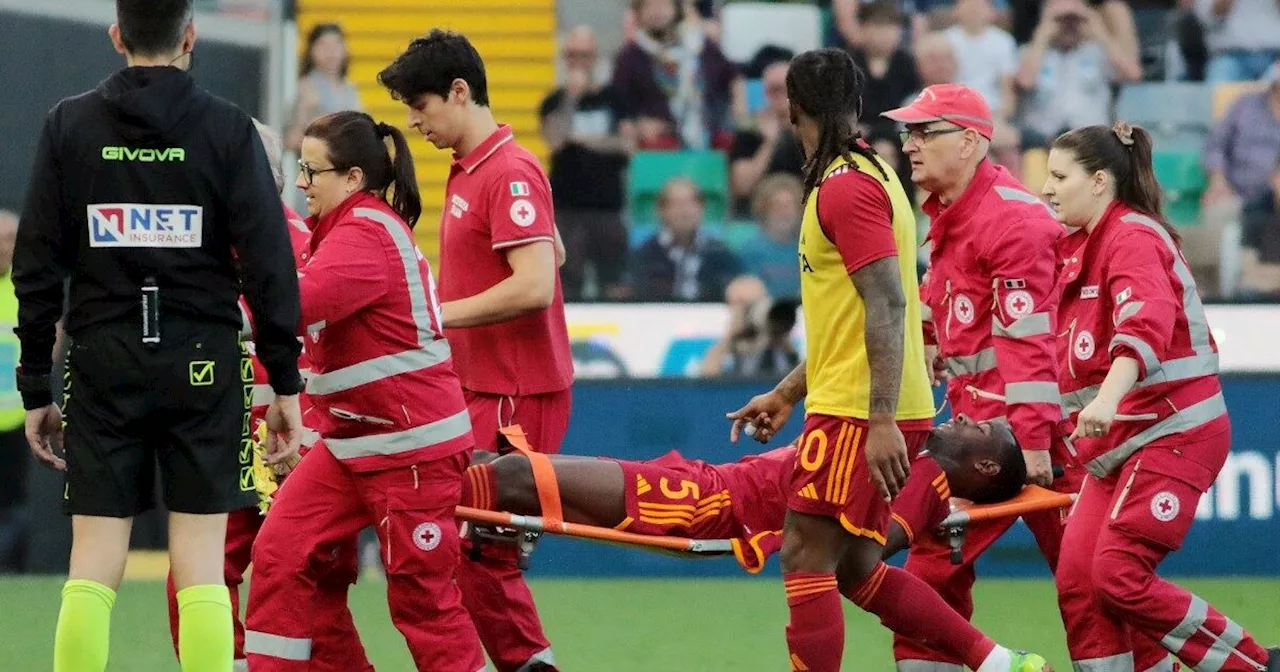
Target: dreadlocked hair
826 85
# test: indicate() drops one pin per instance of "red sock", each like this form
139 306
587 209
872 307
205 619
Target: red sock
815 635
479 489
909 607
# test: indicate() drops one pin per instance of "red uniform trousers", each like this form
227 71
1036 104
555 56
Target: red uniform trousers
493 587
1120 529
930 559
316 514
336 647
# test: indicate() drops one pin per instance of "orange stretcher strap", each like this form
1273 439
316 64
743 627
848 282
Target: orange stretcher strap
1032 498
544 475
604 534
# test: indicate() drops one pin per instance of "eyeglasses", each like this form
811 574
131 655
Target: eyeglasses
922 135
309 173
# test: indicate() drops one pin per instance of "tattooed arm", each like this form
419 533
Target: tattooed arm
881 288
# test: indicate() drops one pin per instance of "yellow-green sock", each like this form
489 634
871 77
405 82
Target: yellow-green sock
206 640
84 627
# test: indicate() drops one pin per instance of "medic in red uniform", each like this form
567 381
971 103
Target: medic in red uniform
1139 376
395 428
502 306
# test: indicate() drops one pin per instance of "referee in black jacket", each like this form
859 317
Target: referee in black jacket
141 190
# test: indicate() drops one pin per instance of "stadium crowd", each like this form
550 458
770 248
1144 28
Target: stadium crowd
1044 68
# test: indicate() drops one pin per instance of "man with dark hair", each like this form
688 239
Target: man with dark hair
502 306
140 191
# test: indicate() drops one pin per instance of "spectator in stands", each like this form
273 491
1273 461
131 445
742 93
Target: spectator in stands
1243 35
890 70
1243 147
758 340
1117 16
1068 71
935 61
1260 257
682 262
323 86
682 90
769 147
987 56
585 125
850 29
770 253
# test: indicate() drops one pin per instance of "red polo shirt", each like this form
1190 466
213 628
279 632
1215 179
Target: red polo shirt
498 198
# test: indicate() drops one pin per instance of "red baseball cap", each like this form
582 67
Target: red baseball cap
955 103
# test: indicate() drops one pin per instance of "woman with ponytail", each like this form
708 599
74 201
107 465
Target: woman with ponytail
1139 376
396 436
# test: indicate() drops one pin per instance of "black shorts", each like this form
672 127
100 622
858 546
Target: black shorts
183 405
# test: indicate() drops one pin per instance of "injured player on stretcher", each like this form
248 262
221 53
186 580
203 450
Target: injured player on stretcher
745 501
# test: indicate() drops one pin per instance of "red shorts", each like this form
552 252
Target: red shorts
831 477
544 418
673 496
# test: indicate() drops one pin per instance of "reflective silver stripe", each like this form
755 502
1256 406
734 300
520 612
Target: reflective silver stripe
284 648
1183 368
1197 323
1223 646
1128 310
1148 354
246 324
927 666
430 351
379 368
240 665
1075 401
1166 665
1177 638
317 326
1011 194
1032 393
403 441
983 360
1035 324
545 657
1187 419
263 395
1121 662
926 313
309 437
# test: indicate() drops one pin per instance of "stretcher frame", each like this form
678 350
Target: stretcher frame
1031 499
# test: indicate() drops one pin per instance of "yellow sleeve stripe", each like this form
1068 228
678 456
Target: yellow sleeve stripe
906 527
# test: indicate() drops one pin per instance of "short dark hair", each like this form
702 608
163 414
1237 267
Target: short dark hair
355 140
1013 474
431 64
152 27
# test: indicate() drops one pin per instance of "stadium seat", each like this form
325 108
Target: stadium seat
738 233
755 95
747 26
651 170
1226 93
1183 181
1167 108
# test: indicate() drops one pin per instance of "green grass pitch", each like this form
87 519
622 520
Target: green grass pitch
616 626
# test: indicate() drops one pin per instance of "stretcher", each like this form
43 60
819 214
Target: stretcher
1032 498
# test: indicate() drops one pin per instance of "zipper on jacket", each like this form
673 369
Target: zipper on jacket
983 393
946 301
348 415
1115 512
414 468
1071 347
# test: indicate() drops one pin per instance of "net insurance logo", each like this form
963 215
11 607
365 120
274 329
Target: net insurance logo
145 225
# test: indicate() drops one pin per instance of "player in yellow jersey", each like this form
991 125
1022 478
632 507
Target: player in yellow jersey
869 406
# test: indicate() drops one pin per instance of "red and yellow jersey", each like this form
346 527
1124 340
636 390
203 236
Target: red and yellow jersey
925 501
854 217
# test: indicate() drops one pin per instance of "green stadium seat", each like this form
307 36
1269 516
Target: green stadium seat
1183 181
738 233
650 170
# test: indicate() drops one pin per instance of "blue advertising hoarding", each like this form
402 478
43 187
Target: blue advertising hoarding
1236 532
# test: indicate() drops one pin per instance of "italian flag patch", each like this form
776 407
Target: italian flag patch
519 188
